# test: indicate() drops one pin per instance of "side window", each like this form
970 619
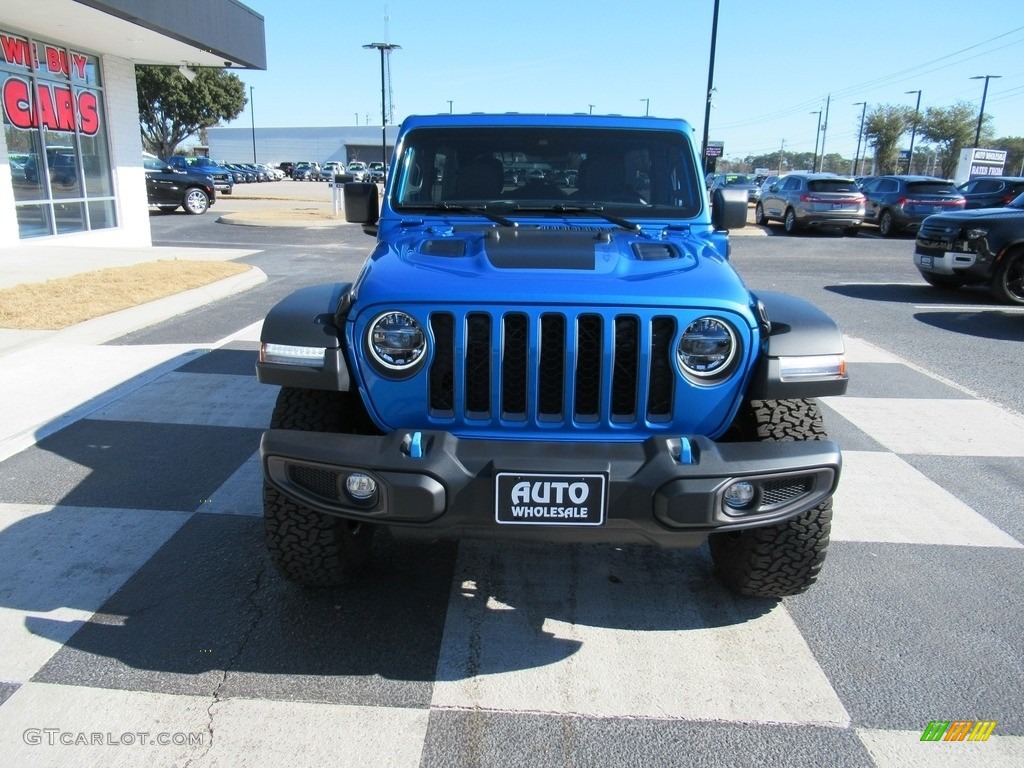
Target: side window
791 184
887 185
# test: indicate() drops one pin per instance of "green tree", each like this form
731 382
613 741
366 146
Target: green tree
1014 146
951 129
172 109
885 125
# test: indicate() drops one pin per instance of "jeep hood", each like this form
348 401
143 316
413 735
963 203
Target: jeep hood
568 265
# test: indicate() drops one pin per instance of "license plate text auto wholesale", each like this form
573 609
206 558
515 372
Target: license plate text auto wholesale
549 499
926 261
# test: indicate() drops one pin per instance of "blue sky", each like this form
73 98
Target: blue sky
776 62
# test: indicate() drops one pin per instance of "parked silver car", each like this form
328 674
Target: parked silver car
804 200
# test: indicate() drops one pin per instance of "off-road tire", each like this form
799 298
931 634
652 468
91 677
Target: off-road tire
759 218
1008 283
782 559
307 547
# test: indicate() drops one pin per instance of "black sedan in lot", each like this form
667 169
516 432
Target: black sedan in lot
991 191
168 188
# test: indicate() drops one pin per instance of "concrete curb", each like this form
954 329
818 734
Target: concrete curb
248 220
100 330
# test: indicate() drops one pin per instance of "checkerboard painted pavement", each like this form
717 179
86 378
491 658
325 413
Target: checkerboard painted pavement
141 623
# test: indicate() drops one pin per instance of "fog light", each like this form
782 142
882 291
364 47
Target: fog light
360 487
739 495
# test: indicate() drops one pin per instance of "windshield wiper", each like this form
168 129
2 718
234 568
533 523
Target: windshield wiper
463 208
598 209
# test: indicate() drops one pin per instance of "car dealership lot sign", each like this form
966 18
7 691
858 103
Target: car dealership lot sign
30 103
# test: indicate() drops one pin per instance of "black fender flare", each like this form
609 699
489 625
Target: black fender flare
797 329
309 317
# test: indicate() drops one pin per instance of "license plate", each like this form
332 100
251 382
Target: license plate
523 498
926 261
838 206
936 208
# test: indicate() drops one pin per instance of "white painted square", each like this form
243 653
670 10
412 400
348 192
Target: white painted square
58 565
935 427
900 749
882 498
860 351
80 379
621 632
208 399
241 494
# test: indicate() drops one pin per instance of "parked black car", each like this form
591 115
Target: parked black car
897 203
168 188
984 246
991 191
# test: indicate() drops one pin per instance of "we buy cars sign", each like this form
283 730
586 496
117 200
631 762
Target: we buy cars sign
52 106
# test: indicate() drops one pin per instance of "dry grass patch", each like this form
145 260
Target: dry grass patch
66 301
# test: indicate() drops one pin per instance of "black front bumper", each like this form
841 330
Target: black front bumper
664 491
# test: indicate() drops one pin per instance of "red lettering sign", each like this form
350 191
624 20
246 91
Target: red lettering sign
16 50
57 107
79 62
17 103
88 113
57 60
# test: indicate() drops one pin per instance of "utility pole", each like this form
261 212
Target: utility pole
711 89
981 113
824 130
817 135
781 150
913 131
856 155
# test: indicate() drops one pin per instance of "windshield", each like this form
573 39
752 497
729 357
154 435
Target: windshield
548 170
832 185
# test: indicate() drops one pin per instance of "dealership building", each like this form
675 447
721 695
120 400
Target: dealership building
71 150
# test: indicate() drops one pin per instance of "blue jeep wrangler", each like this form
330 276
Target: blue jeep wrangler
563 354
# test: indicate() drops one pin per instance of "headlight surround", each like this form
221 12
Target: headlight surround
396 342
707 349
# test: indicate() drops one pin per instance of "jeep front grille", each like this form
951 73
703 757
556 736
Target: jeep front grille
550 368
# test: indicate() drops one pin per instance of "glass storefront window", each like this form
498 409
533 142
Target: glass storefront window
57 144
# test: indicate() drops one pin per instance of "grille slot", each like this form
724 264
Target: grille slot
592 367
776 492
319 482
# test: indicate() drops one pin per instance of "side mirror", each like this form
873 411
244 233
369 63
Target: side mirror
362 205
729 208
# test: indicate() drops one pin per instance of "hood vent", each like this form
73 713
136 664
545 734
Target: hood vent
655 251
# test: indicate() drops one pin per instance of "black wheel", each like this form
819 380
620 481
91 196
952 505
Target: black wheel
307 547
196 201
941 281
782 559
759 218
851 231
790 223
1008 283
886 224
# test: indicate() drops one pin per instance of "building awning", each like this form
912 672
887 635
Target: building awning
198 33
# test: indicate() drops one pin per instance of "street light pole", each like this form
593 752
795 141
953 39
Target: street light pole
383 48
450 106
856 155
252 114
647 108
913 131
711 88
817 135
981 113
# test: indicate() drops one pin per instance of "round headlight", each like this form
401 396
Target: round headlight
707 347
396 341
